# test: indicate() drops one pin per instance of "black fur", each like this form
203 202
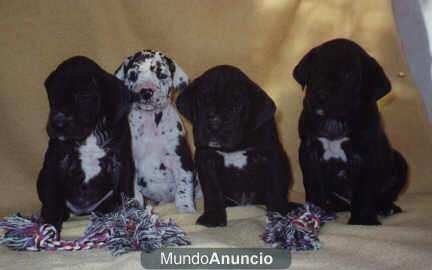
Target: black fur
158 117
230 113
342 84
84 100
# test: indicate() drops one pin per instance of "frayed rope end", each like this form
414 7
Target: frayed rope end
23 233
127 229
298 230
135 228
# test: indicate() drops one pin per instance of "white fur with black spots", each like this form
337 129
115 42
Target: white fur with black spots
158 134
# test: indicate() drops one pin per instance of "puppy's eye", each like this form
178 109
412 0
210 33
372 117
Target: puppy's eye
133 76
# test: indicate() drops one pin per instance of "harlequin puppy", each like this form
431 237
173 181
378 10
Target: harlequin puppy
88 164
164 167
345 155
239 157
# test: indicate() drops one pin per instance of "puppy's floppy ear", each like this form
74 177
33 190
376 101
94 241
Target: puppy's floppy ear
186 101
52 81
116 98
180 78
121 71
376 83
302 69
63 73
262 108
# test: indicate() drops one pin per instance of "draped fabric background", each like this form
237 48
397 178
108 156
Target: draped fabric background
265 38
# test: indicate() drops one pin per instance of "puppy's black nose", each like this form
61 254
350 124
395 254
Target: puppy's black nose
146 94
333 129
59 120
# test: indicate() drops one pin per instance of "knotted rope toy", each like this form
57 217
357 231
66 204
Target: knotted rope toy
298 230
127 229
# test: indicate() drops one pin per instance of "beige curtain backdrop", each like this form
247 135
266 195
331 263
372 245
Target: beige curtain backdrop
265 38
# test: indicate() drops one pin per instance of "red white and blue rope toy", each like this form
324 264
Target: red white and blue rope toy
133 228
298 230
127 229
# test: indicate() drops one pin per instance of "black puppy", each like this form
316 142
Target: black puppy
238 155
346 158
88 163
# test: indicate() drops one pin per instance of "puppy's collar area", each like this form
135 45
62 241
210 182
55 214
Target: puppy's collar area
103 134
214 145
320 112
219 148
333 148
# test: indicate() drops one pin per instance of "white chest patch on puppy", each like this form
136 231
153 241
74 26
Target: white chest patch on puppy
333 148
90 153
236 159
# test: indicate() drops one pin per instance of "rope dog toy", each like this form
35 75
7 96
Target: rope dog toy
127 229
298 230
132 228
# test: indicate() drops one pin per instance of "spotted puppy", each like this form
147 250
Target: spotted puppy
164 167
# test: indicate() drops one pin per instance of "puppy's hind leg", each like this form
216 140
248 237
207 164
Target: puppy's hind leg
184 178
392 189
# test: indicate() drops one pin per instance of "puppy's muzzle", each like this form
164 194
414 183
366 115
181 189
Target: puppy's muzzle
215 124
144 94
333 129
59 121
214 121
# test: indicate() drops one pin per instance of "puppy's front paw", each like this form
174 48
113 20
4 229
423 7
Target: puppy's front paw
212 219
186 208
364 220
393 210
